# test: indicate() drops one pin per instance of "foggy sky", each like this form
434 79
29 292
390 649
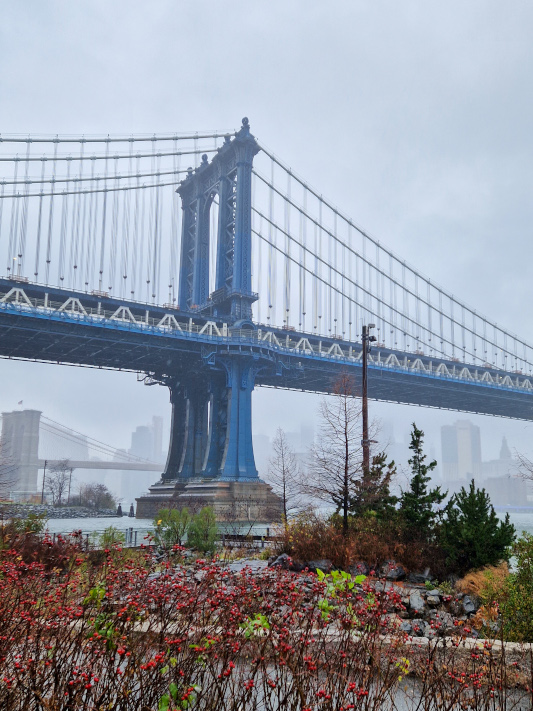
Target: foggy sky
415 118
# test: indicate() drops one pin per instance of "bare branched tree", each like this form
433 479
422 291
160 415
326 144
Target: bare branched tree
284 475
96 496
58 482
335 463
522 466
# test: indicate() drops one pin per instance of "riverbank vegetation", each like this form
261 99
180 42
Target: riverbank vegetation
125 629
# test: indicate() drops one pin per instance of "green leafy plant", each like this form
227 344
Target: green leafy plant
516 607
255 626
171 526
202 532
337 582
111 536
178 698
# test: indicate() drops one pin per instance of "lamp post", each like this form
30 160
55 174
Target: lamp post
365 442
44 477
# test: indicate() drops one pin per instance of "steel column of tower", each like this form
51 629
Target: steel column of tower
211 432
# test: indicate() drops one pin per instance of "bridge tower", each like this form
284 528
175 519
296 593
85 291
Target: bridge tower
211 458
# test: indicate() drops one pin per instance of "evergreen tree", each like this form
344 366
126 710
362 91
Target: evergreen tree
417 503
371 492
471 534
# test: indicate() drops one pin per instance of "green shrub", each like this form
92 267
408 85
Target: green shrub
203 530
171 526
516 607
32 523
111 536
417 504
471 534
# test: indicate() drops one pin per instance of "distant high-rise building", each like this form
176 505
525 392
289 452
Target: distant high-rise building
504 466
157 436
461 451
142 442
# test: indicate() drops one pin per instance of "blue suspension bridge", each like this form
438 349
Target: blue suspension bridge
203 263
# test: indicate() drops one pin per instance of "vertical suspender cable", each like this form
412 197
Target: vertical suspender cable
271 241
139 196
92 223
126 230
114 230
39 223
11 259
287 295
157 234
174 232
104 219
64 224
51 216
76 230
24 221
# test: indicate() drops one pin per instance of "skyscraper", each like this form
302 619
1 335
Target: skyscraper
461 451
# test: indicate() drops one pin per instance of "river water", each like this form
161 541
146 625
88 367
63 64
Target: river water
521 521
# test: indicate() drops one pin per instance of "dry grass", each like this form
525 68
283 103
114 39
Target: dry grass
487 584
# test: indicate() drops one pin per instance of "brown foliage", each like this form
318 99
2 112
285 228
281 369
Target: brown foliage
311 537
486 584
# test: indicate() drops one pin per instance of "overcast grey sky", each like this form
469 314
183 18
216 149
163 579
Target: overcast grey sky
415 117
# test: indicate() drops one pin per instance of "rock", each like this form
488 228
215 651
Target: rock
326 566
469 606
429 631
455 607
287 563
406 627
359 568
419 627
392 571
416 603
419 578
433 598
443 622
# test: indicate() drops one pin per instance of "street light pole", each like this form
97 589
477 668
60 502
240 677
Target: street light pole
44 477
367 339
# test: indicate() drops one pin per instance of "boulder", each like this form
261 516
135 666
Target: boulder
326 566
359 568
443 622
406 627
469 605
419 627
392 571
433 598
417 604
419 578
287 563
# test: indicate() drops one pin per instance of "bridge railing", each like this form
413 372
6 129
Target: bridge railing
328 348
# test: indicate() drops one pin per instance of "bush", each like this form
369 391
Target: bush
516 607
171 526
471 534
111 536
487 584
202 532
369 539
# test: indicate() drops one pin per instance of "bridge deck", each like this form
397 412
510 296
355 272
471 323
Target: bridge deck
60 326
